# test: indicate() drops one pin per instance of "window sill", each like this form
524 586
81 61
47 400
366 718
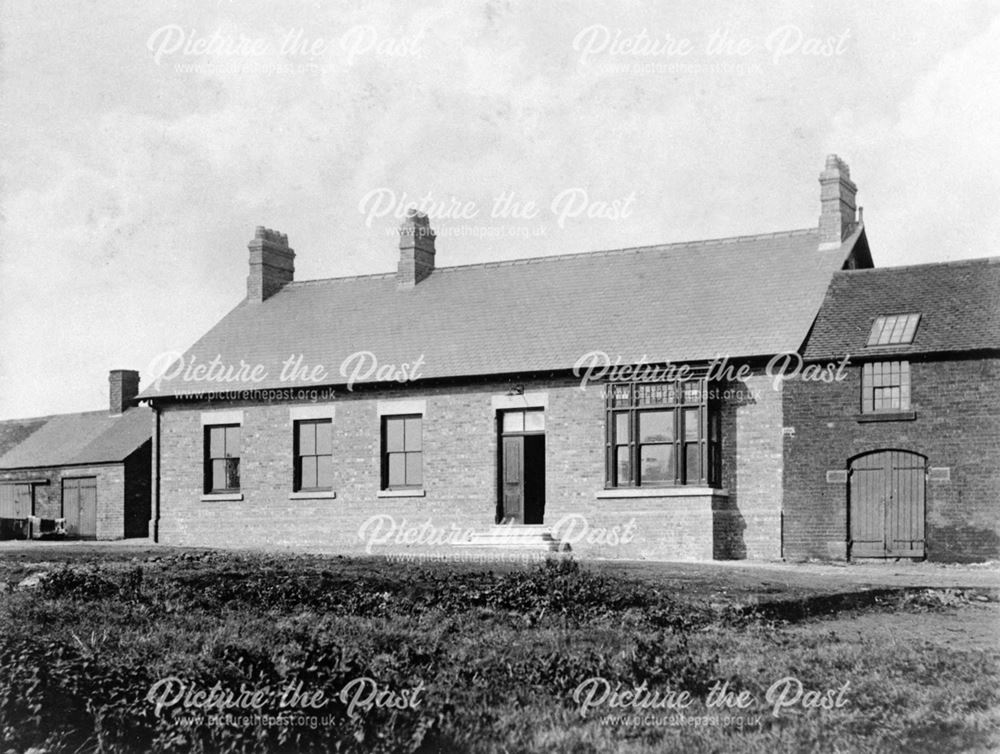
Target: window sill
209 496
401 493
887 416
626 492
313 495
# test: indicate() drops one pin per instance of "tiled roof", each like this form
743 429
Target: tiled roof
14 431
90 437
744 296
958 303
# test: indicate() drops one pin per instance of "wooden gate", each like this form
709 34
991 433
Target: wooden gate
887 505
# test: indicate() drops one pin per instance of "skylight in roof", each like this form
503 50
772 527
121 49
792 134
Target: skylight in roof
893 329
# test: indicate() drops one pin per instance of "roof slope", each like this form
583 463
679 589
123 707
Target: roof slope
744 296
958 303
14 431
84 438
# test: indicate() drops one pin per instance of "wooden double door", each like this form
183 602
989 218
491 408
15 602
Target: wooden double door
79 507
887 505
522 467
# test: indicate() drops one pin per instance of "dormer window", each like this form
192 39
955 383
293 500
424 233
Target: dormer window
893 329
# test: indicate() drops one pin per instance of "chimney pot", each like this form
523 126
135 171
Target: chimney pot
123 388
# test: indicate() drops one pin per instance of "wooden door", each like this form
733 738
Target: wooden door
16 501
904 535
887 505
71 506
512 465
79 507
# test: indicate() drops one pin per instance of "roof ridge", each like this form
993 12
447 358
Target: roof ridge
633 249
577 255
50 417
925 265
372 275
28 419
91 412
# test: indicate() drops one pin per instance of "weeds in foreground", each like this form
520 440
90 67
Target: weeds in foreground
496 658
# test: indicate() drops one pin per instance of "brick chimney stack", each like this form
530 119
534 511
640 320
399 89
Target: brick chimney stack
416 249
837 191
272 264
123 387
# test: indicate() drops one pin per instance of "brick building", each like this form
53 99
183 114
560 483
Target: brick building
92 469
902 457
421 408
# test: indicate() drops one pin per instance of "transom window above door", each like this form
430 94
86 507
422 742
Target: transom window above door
528 420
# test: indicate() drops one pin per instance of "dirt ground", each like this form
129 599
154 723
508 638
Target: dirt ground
966 627
756 577
824 575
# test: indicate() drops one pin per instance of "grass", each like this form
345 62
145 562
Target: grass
469 659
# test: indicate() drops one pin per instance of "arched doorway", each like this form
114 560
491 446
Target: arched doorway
886 509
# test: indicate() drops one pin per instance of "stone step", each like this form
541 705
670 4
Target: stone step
516 537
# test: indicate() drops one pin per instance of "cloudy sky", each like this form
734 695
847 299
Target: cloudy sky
142 142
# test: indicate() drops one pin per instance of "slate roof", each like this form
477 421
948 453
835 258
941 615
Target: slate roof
740 297
86 438
958 303
14 431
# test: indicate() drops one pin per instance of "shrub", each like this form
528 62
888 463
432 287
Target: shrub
92 583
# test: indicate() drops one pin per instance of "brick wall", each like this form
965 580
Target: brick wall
460 473
957 426
748 523
110 494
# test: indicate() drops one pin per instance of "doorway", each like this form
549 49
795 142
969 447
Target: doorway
79 507
521 471
887 505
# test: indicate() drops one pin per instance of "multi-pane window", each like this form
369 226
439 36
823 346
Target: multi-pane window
314 455
222 458
402 452
893 329
885 386
660 434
